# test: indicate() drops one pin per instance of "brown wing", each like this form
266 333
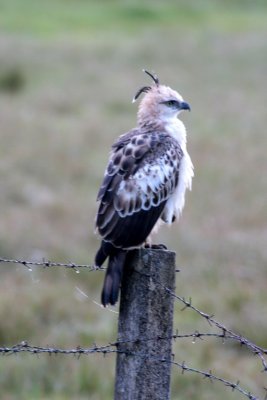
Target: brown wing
141 175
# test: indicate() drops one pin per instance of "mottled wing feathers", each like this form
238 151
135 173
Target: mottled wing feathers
141 175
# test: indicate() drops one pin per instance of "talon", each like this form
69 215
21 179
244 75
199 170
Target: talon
158 246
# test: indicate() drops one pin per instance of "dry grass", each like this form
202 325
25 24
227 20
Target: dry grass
56 130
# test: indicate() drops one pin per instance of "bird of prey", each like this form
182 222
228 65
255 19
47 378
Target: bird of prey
145 181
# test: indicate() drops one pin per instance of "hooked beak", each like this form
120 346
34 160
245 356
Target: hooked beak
184 106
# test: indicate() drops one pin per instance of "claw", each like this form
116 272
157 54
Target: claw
156 246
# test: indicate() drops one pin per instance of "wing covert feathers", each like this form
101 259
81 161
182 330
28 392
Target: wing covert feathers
141 175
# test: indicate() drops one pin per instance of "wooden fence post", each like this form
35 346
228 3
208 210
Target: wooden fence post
146 312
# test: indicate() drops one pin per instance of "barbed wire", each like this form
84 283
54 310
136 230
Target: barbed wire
25 347
224 334
205 374
50 264
209 375
259 351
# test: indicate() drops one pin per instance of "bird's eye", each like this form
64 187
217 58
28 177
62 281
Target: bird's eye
171 103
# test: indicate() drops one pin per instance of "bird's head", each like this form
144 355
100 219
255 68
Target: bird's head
160 103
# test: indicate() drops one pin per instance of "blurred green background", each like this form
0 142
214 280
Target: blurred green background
68 72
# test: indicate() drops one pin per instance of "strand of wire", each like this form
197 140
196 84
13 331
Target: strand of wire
23 346
194 336
225 332
205 374
257 350
260 352
113 348
209 375
50 264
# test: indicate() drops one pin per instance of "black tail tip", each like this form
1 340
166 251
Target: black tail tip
110 292
112 281
106 299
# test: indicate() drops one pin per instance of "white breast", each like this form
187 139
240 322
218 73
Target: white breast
175 204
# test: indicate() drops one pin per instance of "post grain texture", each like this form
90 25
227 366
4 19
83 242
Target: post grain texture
146 313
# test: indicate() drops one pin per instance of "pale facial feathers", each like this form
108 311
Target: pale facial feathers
154 105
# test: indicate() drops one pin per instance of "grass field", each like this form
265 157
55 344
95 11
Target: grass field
68 72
